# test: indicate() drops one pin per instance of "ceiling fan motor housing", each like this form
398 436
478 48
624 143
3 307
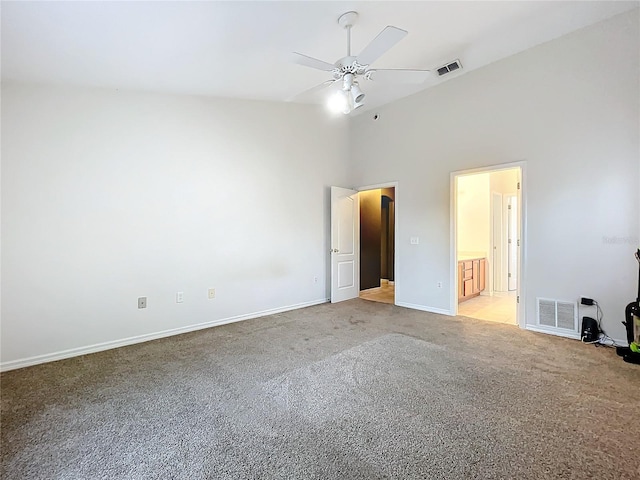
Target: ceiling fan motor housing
348 65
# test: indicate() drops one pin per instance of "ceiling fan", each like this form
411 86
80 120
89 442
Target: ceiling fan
350 69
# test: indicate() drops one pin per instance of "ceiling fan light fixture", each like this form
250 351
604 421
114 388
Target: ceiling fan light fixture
348 81
339 102
356 94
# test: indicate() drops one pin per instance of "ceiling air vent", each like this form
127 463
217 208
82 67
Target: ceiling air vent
450 67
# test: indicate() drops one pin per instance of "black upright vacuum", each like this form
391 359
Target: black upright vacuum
631 353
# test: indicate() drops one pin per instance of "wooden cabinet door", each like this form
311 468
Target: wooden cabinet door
469 287
471 278
482 274
476 276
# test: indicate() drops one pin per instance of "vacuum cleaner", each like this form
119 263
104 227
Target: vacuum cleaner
631 354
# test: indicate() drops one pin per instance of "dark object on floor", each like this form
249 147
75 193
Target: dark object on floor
590 330
632 310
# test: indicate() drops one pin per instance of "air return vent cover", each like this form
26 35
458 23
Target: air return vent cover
557 314
450 67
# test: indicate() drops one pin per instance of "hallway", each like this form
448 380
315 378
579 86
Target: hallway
385 293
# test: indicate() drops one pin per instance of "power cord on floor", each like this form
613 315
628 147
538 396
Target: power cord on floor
606 338
603 339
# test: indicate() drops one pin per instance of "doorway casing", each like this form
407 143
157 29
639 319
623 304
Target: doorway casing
334 246
521 229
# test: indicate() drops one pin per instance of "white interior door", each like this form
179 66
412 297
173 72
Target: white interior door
512 221
496 240
345 244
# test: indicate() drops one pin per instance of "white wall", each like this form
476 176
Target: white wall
474 215
108 196
570 109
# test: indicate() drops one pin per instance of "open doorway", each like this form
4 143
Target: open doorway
487 227
377 245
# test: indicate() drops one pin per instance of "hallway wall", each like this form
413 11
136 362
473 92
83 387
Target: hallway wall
370 238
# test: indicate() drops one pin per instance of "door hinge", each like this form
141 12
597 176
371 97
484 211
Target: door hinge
509 275
518 185
509 241
518 242
518 299
509 207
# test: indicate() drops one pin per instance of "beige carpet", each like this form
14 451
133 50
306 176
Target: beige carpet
358 390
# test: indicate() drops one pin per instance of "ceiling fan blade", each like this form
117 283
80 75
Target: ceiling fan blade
312 90
307 61
399 76
386 39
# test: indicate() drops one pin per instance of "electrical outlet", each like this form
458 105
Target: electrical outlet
142 302
414 240
179 297
212 293
439 284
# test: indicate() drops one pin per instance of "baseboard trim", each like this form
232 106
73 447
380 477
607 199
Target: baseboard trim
572 335
424 308
99 347
537 329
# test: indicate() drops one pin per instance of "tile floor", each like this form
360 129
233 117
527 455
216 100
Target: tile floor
499 307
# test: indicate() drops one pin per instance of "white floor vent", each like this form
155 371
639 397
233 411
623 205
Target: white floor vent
557 314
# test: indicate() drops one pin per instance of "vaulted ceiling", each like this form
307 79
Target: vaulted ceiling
243 49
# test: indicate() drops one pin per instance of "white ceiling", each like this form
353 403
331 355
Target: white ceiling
243 49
